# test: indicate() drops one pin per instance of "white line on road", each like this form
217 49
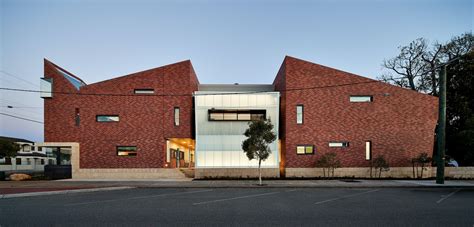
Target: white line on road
347 196
447 196
138 197
234 198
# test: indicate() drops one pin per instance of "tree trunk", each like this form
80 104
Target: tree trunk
260 171
411 82
422 167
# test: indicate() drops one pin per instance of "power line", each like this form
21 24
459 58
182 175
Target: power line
21 107
167 95
18 78
25 119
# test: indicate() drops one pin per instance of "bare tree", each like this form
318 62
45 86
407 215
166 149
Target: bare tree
408 65
415 67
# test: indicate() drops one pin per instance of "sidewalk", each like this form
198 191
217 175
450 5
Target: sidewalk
13 187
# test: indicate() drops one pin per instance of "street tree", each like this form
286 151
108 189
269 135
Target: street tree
259 136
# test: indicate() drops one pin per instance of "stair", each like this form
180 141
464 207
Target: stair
189 173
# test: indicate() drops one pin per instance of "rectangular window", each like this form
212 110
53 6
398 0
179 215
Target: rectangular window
144 91
126 150
299 114
304 149
368 150
46 87
176 116
107 118
360 98
236 115
18 161
77 117
339 144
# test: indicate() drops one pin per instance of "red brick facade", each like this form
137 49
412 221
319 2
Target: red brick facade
399 122
145 120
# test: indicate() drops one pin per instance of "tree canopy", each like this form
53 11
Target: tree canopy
8 148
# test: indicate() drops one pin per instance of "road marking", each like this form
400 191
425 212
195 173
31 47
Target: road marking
234 198
138 197
347 196
292 190
447 196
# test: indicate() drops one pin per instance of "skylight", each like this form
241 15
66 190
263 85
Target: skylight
74 81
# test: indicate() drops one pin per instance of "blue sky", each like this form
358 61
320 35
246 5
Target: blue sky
227 41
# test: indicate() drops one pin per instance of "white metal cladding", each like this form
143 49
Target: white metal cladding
218 143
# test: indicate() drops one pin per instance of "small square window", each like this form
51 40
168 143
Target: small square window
304 149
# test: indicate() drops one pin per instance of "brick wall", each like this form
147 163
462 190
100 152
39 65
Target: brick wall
399 122
145 120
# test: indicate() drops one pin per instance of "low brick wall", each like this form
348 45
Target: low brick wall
202 173
457 172
127 173
394 172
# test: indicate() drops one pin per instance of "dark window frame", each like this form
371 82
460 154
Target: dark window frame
313 150
370 150
176 123
117 149
256 113
345 144
302 114
107 115
147 91
370 96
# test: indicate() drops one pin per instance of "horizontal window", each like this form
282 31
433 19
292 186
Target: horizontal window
305 149
144 91
127 151
107 118
339 144
236 115
360 98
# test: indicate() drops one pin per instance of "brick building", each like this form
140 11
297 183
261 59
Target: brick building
164 118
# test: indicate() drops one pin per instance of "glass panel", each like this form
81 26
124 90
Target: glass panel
360 99
244 116
335 144
256 117
105 118
127 151
300 150
46 87
230 116
176 116
216 116
144 91
299 114
309 149
368 150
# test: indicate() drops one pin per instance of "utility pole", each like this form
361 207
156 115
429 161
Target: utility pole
441 132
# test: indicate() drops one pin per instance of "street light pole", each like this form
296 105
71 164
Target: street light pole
441 132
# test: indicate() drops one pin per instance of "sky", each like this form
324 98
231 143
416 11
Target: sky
227 41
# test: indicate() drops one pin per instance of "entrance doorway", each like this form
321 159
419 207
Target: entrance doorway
180 153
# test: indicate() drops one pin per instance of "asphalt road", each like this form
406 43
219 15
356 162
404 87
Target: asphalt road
242 207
